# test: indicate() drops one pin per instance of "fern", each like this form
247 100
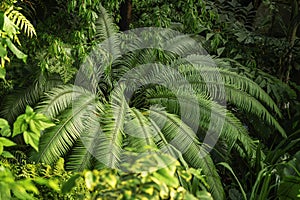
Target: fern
20 21
98 123
15 103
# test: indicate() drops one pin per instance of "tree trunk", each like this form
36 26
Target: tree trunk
125 12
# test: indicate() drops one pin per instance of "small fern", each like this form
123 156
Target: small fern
20 21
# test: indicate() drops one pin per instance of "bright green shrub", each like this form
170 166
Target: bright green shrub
149 181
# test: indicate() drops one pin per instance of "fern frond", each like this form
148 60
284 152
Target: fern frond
231 130
110 139
56 141
240 90
106 32
60 98
184 139
20 21
139 132
15 104
208 71
105 26
82 155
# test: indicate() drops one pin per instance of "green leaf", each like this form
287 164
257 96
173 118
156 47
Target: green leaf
67 186
34 128
237 180
6 142
1 20
1 148
15 50
38 122
209 35
9 27
28 185
2 72
20 125
32 139
7 154
21 193
220 50
4 191
166 176
29 111
42 125
204 195
5 128
90 180
3 51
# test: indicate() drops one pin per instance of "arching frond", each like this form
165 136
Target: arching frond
56 141
20 21
82 155
80 158
231 127
207 68
15 103
110 139
184 139
60 98
139 132
106 32
105 27
240 91
220 84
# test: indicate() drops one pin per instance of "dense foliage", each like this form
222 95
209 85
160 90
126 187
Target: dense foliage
64 139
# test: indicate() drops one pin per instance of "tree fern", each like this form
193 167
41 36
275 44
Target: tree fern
100 123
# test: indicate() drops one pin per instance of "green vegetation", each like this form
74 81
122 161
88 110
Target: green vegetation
149 99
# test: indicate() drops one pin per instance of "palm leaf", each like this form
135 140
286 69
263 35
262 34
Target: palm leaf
82 155
15 104
139 132
110 139
184 139
232 129
58 140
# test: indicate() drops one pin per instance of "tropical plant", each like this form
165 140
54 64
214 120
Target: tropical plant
11 21
155 183
81 112
277 174
10 186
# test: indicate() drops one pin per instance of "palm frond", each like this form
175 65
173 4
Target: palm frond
105 26
94 71
274 86
58 140
80 158
82 155
60 98
240 91
206 68
15 103
184 139
139 132
110 139
106 32
220 84
230 128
